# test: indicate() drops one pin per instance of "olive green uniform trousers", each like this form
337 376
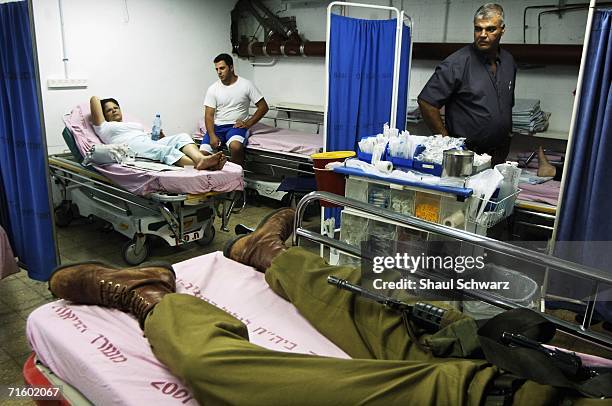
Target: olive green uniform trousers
210 352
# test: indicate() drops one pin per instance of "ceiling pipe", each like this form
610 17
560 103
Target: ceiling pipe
547 54
272 29
287 43
63 32
525 26
280 38
522 53
279 26
269 63
280 48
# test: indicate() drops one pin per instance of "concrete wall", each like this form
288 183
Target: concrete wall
156 56
151 55
301 79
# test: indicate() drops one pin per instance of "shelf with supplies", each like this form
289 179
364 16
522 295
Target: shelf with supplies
431 205
427 204
470 214
387 238
459 192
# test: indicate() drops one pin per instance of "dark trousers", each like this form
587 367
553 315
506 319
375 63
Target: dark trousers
498 153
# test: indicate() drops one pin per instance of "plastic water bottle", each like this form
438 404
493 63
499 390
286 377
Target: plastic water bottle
156 129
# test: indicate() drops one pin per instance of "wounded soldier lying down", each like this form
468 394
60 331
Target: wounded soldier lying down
209 349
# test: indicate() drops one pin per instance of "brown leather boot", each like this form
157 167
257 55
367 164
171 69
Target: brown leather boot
259 248
134 290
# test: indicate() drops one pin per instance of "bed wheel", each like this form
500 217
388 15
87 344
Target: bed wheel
131 255
209 235
64 213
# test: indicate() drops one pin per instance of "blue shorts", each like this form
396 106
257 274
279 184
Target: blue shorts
226 134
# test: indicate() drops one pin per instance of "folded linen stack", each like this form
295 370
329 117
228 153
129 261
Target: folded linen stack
527 118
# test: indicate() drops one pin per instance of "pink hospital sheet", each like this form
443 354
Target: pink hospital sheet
141 182
103 353
284 140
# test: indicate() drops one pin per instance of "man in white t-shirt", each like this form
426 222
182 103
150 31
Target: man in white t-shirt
178 149
226 110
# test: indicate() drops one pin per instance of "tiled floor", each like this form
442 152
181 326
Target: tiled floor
19 295
80 241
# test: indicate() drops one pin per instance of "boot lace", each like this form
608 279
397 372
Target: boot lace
119 296
116 295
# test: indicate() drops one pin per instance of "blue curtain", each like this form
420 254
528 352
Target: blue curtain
22 150
362 55
361 79
404 77
585 213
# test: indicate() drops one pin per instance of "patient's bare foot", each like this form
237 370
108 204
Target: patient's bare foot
209 161
544 167
221 163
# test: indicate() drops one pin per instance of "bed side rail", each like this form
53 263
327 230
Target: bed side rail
596 275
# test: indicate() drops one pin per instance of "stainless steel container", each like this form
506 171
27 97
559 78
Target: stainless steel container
457 163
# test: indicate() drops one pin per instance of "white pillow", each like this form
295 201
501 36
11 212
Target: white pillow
103 154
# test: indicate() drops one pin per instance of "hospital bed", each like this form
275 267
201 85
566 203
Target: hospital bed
177 206
104 355
278 162
277 156
101 352
277 149
535 211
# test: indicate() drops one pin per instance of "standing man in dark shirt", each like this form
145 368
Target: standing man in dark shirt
476 86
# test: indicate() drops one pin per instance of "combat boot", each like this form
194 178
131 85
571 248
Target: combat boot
134 290
260 247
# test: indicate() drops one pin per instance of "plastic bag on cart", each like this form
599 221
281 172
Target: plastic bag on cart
103 154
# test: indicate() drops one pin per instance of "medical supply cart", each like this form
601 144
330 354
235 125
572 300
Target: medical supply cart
451 206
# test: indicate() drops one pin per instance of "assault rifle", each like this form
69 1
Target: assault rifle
424 315
568 362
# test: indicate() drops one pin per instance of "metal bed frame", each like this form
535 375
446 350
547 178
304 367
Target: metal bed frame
35 370
278 164
271 167
176 218
599 277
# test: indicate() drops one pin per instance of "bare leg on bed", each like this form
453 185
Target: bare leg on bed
201 161
215 165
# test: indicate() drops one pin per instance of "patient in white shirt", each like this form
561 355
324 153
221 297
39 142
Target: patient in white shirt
178 149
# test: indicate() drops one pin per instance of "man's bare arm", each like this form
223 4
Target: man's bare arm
209 123
97 115
432 117
262 109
